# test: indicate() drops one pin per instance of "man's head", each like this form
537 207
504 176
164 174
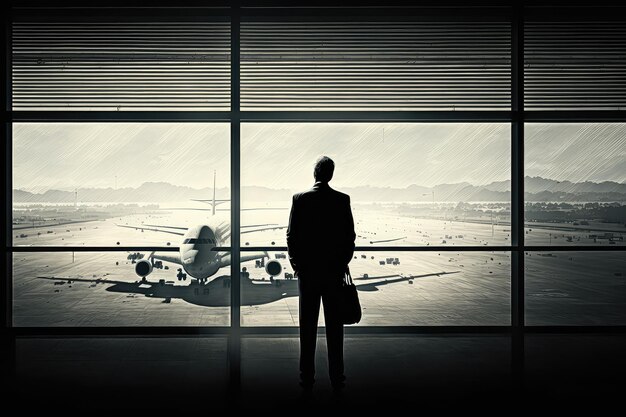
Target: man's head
324 168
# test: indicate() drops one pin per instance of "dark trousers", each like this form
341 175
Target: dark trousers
315 286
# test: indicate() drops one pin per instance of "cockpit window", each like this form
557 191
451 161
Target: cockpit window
202 241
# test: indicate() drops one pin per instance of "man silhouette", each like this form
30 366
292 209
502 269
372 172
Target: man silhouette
320 239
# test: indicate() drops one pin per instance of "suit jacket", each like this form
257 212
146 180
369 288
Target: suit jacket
320 235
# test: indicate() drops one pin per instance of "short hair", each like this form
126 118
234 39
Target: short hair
324 168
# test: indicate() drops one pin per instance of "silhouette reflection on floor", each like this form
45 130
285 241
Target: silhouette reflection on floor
216 293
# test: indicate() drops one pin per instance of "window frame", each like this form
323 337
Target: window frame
517 15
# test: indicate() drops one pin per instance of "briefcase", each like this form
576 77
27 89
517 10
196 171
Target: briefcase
351 307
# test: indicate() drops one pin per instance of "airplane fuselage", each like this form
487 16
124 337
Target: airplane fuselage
197 254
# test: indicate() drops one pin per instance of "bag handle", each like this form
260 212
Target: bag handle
348 277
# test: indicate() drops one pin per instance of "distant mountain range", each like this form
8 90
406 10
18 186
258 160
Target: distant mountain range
536 189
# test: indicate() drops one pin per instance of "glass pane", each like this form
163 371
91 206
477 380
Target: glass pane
410 184
575 288
108 184
395 289
575 185
105 289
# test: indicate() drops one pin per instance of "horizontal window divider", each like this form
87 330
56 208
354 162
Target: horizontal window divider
436 330
322 116
191 331
424 13
368 330
245 330
259 248
527 248
501 248
147 331
395 248
94 248
137 14
262 10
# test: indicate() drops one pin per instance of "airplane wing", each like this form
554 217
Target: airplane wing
375 277
264 228
209 200
151 229
185 208
259 225
168 227
409 276
168 258
248 256
257 208
373 286
387 240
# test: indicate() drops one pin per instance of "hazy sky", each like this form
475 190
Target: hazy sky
576 152
68 155
404 154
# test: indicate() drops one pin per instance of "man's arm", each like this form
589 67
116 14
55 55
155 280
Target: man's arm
350 233
292 235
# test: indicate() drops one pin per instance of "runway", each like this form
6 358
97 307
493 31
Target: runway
421 288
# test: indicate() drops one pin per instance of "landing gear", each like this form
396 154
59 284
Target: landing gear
181 275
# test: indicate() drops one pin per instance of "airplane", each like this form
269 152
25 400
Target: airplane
197 254
216 293
215 202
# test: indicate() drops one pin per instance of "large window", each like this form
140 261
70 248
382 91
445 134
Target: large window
575 196
409 184
429 184
152 156
122 185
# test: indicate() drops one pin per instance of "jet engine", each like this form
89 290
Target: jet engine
143 268
273 267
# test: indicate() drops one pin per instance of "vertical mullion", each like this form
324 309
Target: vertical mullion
7 286
517 196
234 349
517 168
